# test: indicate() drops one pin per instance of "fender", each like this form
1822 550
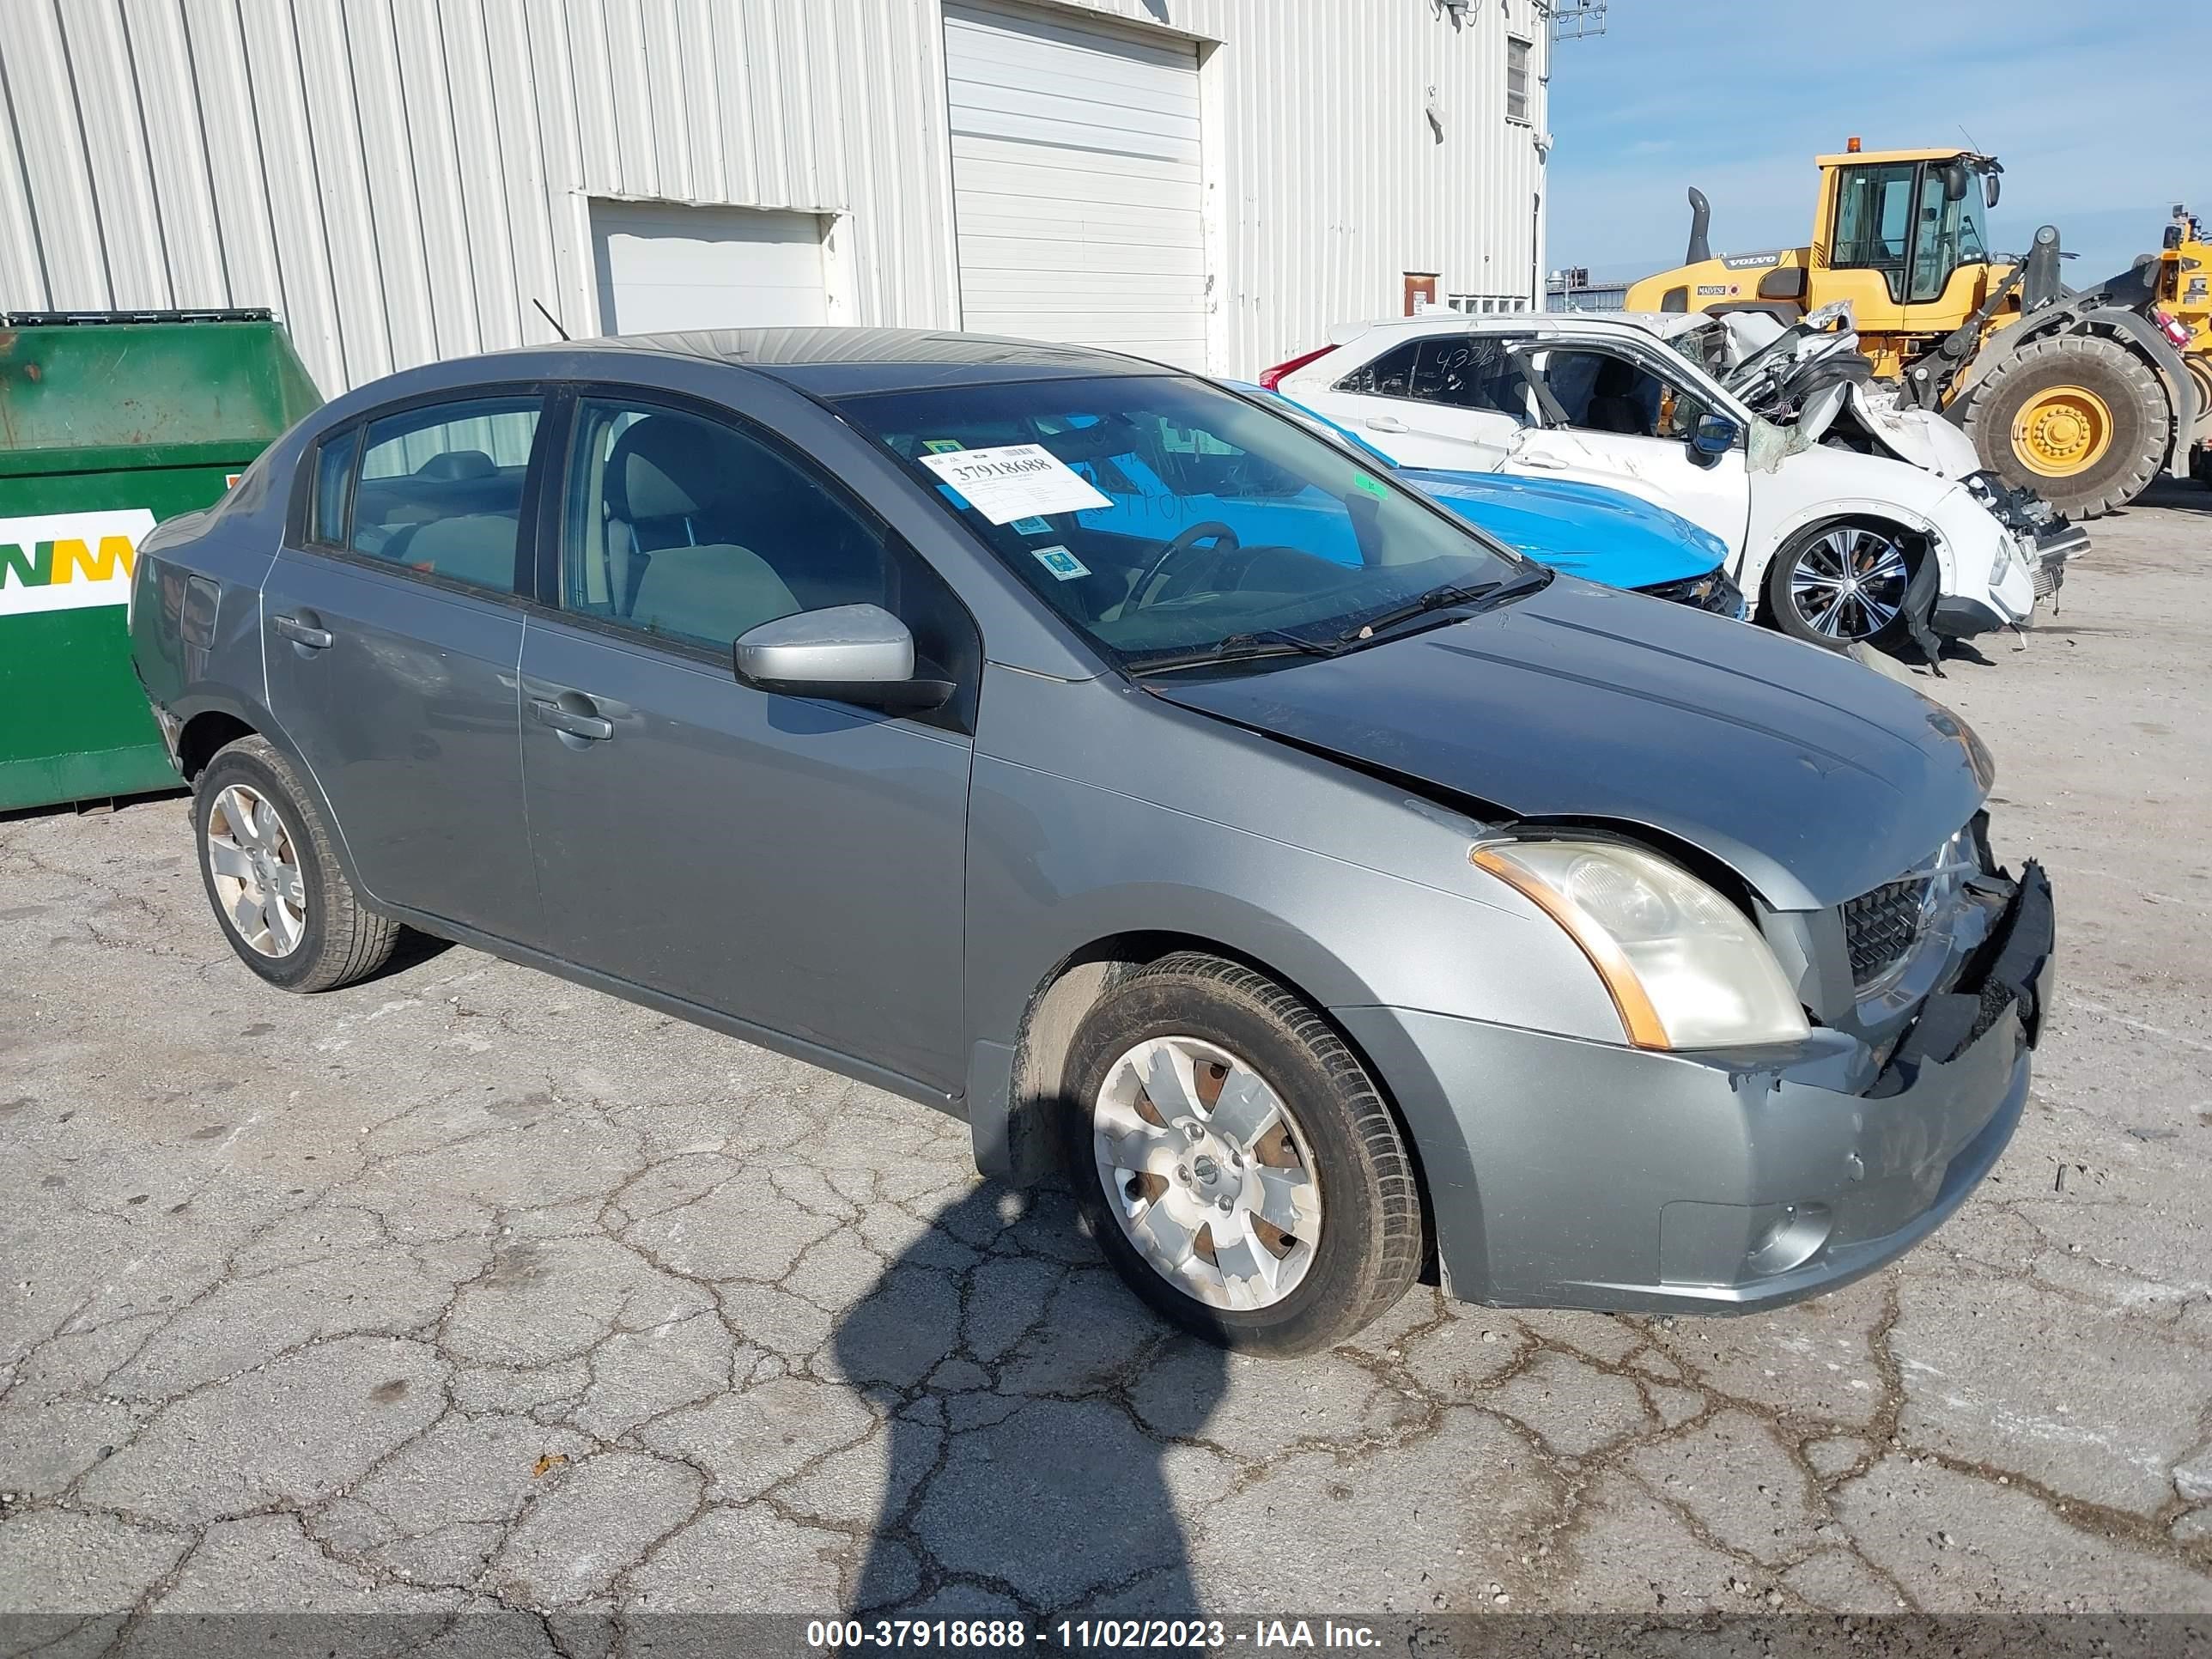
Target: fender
1851 506
1009 1135
215 697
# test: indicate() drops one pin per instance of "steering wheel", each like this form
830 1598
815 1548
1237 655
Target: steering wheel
1208 530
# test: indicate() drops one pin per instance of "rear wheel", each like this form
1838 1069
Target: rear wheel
270 873
2078 418
1838 584
1235 1161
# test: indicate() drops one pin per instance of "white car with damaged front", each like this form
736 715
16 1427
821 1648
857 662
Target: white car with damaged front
1829 545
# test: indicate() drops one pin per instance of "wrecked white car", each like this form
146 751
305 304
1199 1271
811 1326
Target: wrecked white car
1833 545
1810 374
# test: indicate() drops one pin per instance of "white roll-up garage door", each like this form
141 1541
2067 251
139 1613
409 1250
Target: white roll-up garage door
1077 189
665 266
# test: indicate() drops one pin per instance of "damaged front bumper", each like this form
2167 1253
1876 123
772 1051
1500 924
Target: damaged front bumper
2044 539
1564 1173
1715 591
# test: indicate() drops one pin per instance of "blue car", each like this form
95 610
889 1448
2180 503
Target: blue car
1602 535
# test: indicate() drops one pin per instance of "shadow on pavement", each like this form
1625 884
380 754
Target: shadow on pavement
1031 1399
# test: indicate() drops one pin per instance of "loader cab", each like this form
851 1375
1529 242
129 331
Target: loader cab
1904 235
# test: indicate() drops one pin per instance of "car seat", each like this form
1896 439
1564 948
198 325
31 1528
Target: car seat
669 480
1613 404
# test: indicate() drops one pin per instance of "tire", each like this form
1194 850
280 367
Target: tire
2120 446
1876 555
326 938
1314 1146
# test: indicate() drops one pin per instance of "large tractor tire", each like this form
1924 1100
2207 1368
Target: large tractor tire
2079 418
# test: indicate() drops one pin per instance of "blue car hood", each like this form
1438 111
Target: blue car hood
1814 778
1602 535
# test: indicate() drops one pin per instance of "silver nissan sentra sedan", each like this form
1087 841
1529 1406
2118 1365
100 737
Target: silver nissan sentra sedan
1087 750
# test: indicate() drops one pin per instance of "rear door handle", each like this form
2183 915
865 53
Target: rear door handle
591 726
300 632
1385 423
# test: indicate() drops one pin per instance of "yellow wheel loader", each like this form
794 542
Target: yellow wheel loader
2083 396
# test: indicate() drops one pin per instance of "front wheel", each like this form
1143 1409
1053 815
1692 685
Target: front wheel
1839 584
1235 1161
2079 418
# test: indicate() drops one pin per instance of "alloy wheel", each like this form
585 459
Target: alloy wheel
256 872
1207 1172
1849 583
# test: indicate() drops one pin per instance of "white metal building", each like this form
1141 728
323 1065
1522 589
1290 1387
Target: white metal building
1210 182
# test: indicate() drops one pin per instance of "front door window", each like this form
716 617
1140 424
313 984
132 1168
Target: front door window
1950 230
1598 392
695 530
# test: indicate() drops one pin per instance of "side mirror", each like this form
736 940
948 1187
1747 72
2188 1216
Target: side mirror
1989 190
1712 437
858 653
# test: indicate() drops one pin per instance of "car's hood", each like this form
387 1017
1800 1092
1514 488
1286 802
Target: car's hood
1603 535
1918 436
1812 777
1817 472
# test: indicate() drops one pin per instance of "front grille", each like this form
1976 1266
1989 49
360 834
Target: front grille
1880 926
2048 577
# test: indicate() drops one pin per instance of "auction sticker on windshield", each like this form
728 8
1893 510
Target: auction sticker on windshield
1015 480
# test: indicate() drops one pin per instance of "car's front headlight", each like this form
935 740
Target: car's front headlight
2000 566
1685 967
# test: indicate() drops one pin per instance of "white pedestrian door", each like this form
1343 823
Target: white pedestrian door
664 267
1076 181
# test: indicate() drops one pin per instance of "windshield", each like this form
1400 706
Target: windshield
1163 516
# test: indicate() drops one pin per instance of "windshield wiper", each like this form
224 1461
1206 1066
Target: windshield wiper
1239 647
1486 595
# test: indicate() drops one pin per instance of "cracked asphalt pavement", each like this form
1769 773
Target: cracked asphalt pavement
467 1289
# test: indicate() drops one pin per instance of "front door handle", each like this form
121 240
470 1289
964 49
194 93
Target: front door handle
1385 423
591 726
302 632
1548 463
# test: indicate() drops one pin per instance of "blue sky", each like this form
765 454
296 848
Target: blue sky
2087 105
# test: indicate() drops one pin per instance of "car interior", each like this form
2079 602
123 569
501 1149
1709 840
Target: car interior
455 513
1598 392
686 527
691 529
1198 526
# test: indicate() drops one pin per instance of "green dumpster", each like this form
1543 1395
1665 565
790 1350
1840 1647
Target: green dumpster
110 422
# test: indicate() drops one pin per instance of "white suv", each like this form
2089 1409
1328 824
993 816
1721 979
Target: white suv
1829 545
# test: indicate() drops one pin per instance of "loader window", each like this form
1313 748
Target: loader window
1873 223
1948 231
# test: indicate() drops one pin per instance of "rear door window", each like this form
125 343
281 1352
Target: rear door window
440 488
326 513
1457 370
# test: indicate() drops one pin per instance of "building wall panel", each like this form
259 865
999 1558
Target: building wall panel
400 178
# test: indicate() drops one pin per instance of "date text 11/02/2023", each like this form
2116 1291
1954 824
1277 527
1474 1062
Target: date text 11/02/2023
1281 1635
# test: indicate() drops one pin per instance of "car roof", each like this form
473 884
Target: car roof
834 361
1588 324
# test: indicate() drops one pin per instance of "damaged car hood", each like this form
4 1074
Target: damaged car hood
1814 778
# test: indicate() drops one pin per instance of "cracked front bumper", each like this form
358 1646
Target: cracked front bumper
1564 1173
